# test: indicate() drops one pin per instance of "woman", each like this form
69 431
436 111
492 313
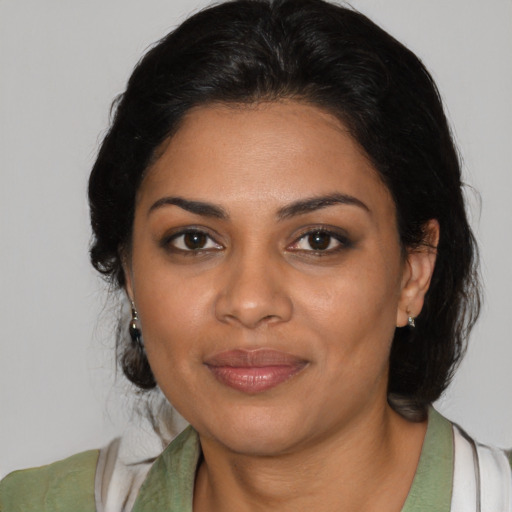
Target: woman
280 198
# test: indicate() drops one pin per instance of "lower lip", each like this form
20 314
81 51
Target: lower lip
254 379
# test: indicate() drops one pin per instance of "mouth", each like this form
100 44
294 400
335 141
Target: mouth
254 371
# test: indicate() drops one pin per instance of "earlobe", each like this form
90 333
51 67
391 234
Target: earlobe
418 271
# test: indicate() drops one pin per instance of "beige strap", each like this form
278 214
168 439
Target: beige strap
482 478
117 484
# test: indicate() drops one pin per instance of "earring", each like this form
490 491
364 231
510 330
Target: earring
410 321
134 330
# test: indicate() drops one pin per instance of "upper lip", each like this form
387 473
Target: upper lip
257 358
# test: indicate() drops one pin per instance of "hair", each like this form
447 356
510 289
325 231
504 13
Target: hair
251 51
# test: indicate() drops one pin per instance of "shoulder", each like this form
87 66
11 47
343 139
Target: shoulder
481 472
64 485
481 453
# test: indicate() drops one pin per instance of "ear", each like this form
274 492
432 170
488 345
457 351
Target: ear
418 270
128 275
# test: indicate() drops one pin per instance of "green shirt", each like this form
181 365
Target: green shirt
431 484
64 486
68 485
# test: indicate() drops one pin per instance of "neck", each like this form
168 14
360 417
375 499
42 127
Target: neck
368 466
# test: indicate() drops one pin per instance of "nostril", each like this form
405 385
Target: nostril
253 313
252 296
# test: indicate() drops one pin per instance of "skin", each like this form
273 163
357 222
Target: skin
324 439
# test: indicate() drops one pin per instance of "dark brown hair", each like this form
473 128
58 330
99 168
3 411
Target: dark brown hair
246 51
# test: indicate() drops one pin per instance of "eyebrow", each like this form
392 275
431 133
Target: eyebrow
316 203
300 207
197 207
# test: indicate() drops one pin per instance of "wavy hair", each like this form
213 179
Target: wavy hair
248 51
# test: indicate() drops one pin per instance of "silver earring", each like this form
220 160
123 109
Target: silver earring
134 330
410 321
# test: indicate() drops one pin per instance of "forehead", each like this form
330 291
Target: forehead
273 152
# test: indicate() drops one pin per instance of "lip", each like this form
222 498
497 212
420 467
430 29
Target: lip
254 371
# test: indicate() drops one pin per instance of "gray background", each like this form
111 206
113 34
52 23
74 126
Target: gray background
61 64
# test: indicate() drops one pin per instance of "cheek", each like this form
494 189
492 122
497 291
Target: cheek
171 323
171 310
359 294
354 312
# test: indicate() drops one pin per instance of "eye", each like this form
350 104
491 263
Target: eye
320 241
192 241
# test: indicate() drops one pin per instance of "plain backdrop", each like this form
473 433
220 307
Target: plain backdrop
61 64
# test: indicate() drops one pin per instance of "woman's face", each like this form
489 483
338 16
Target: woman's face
267 274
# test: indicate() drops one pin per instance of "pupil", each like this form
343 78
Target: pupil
195 240
319 241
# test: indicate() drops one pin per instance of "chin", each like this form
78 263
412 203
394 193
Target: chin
259 444
262 433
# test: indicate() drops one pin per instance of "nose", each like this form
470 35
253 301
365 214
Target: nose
253 293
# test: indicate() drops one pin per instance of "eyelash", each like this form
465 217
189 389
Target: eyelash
170 242
342 242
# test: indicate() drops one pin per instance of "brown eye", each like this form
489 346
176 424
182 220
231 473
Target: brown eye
192 241
319 241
